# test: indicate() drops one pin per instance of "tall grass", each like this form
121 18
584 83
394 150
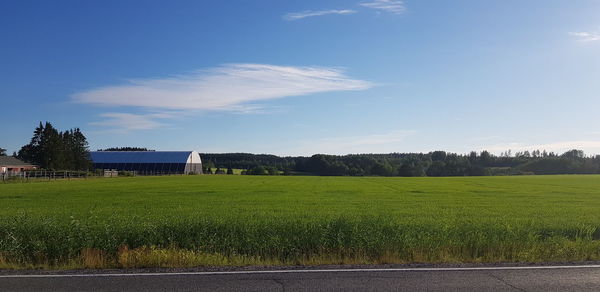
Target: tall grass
239 241
403 226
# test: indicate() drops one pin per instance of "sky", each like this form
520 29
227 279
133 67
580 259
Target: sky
304 77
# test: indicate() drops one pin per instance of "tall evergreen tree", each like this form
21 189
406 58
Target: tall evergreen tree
80 150
31 151
51 149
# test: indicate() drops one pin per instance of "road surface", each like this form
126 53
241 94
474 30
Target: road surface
548 278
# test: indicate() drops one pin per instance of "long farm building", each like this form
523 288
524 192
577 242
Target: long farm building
148 162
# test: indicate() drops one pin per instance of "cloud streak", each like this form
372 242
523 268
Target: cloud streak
229 87
586 36
126 122
309 13
234 87
391 6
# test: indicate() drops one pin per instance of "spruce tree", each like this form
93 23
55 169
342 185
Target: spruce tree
51 149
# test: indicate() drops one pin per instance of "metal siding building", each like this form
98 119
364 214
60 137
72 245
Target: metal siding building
149 162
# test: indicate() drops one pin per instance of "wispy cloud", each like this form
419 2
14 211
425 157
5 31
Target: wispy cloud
311 13
391 6
234 87
586 36
229 87
590 147
125 122
372 143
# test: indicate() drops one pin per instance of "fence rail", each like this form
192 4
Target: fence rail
41 175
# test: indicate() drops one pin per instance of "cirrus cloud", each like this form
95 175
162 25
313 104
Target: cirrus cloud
310 13
228 87
125 122
586 36
391 6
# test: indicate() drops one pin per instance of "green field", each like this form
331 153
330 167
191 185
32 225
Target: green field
263 220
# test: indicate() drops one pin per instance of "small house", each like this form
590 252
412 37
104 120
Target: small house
14 165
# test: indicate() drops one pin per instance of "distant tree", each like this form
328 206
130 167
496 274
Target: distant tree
485 158
229 170
271 170
79 150
473 158
383 168
257 170
438 156
32 151
437 168
573 154
51 149
412 166
125 149
2 152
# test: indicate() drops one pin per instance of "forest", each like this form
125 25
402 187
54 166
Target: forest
436 163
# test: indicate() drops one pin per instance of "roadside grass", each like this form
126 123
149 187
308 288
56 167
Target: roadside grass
189 221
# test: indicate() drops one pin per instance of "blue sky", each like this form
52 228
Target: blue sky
305 77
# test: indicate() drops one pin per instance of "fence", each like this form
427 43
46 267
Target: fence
41 175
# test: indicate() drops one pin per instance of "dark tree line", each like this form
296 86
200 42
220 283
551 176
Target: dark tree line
55 150
125 149
437 163
2 152
246 160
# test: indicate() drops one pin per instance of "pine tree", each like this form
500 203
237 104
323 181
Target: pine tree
51 149
80 150
31 151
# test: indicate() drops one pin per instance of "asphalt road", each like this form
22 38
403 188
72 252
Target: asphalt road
449 279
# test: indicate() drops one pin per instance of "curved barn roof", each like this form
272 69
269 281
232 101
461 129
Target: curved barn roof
140 156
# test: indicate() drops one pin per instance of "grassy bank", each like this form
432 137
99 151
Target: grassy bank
239 220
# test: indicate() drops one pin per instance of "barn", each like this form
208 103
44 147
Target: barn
149 162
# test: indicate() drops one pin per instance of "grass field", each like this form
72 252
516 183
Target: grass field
247 220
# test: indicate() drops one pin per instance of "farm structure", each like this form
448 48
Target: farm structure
148 162
9 164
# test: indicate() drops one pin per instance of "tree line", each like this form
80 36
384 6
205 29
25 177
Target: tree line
436 163
57 150
125 149
69 150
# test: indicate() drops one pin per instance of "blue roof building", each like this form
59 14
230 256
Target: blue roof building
149 162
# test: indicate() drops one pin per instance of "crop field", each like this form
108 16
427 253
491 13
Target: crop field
217 220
